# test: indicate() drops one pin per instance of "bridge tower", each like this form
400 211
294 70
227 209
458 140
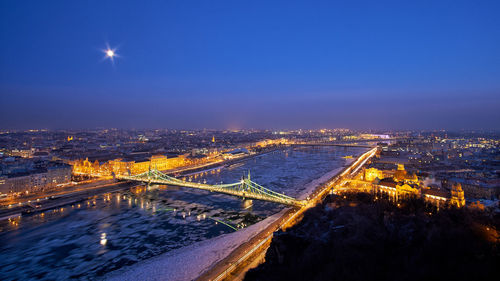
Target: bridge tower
149 175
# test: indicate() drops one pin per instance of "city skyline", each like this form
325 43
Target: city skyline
249 140
227 65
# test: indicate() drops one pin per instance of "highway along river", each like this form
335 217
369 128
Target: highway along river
88 239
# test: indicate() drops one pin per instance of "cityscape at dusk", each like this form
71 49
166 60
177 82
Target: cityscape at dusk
249 140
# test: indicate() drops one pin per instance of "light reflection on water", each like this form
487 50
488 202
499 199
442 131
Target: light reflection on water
88 239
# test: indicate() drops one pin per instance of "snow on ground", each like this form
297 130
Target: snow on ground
187 263
349 161
309 188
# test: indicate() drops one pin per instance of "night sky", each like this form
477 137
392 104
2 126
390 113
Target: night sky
250 64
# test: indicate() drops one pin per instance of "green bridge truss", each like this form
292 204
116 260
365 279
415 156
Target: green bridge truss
245 188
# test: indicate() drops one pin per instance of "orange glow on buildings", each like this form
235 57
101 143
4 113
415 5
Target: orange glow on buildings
269 142
122 167
399 184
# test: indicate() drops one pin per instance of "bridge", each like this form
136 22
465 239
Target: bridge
346 143
245 188
331 144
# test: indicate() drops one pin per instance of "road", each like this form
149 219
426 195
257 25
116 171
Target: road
74 193
235 264
55 200
243 258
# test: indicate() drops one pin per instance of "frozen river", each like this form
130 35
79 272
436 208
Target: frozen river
107 232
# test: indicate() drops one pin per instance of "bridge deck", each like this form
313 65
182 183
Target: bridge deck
332 144
245 188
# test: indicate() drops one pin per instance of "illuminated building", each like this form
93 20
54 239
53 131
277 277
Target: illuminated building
399 184
457 195
366 137
239 152
402 176
124 167
269 142
475 188
24 153
50 177
372 173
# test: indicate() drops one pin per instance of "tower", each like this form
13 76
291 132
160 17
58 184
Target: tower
457 195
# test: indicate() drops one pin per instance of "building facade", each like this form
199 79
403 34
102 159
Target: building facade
48 178
399 184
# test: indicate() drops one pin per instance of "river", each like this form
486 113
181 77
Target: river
86 240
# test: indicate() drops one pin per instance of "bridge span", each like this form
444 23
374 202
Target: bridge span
245 188
332 144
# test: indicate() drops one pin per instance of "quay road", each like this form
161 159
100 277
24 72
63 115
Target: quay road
56 201
10 208
235 265
14 206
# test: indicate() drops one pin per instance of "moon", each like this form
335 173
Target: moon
110 53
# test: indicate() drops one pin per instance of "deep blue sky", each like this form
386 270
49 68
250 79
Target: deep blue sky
250 64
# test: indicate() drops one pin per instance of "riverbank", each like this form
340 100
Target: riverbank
205 259
112 231
59 200
79 193
239 262
365 238
214 165
189 262
313 185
